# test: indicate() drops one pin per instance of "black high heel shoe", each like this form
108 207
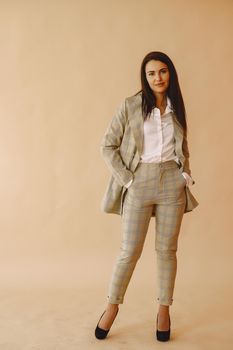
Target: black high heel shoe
102 333
163 335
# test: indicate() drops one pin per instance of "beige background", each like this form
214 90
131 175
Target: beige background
65 68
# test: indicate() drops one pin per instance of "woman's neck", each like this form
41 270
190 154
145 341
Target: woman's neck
161 101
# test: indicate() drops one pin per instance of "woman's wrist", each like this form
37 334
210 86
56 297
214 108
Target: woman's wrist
188 178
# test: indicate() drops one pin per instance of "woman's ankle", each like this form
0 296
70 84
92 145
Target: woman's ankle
112 307
163 309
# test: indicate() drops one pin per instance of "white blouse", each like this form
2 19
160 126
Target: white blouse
158 140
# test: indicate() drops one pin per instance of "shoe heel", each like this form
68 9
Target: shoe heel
163 335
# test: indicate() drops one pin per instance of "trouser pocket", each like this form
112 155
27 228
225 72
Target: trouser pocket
181 177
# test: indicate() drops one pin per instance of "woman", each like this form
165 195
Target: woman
146 149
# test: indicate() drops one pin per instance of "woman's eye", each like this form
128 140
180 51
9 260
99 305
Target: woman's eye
162 71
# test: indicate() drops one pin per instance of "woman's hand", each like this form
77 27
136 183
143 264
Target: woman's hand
188 178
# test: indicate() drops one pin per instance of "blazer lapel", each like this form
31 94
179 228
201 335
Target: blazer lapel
178 135
136 122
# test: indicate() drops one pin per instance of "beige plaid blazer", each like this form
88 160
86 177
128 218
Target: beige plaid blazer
121 149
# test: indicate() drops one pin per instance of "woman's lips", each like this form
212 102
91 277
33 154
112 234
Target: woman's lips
160 84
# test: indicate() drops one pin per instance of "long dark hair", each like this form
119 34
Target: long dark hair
173 91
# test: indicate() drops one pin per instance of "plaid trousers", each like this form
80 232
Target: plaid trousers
155 184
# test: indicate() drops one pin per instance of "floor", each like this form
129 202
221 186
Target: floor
65 319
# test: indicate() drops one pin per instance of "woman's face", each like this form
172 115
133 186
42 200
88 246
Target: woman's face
157 75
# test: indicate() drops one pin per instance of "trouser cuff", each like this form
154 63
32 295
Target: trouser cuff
115 300
165 301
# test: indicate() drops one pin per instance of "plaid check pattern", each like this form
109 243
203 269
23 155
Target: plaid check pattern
158 187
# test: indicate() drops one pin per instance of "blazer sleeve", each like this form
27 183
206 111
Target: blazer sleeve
110 146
